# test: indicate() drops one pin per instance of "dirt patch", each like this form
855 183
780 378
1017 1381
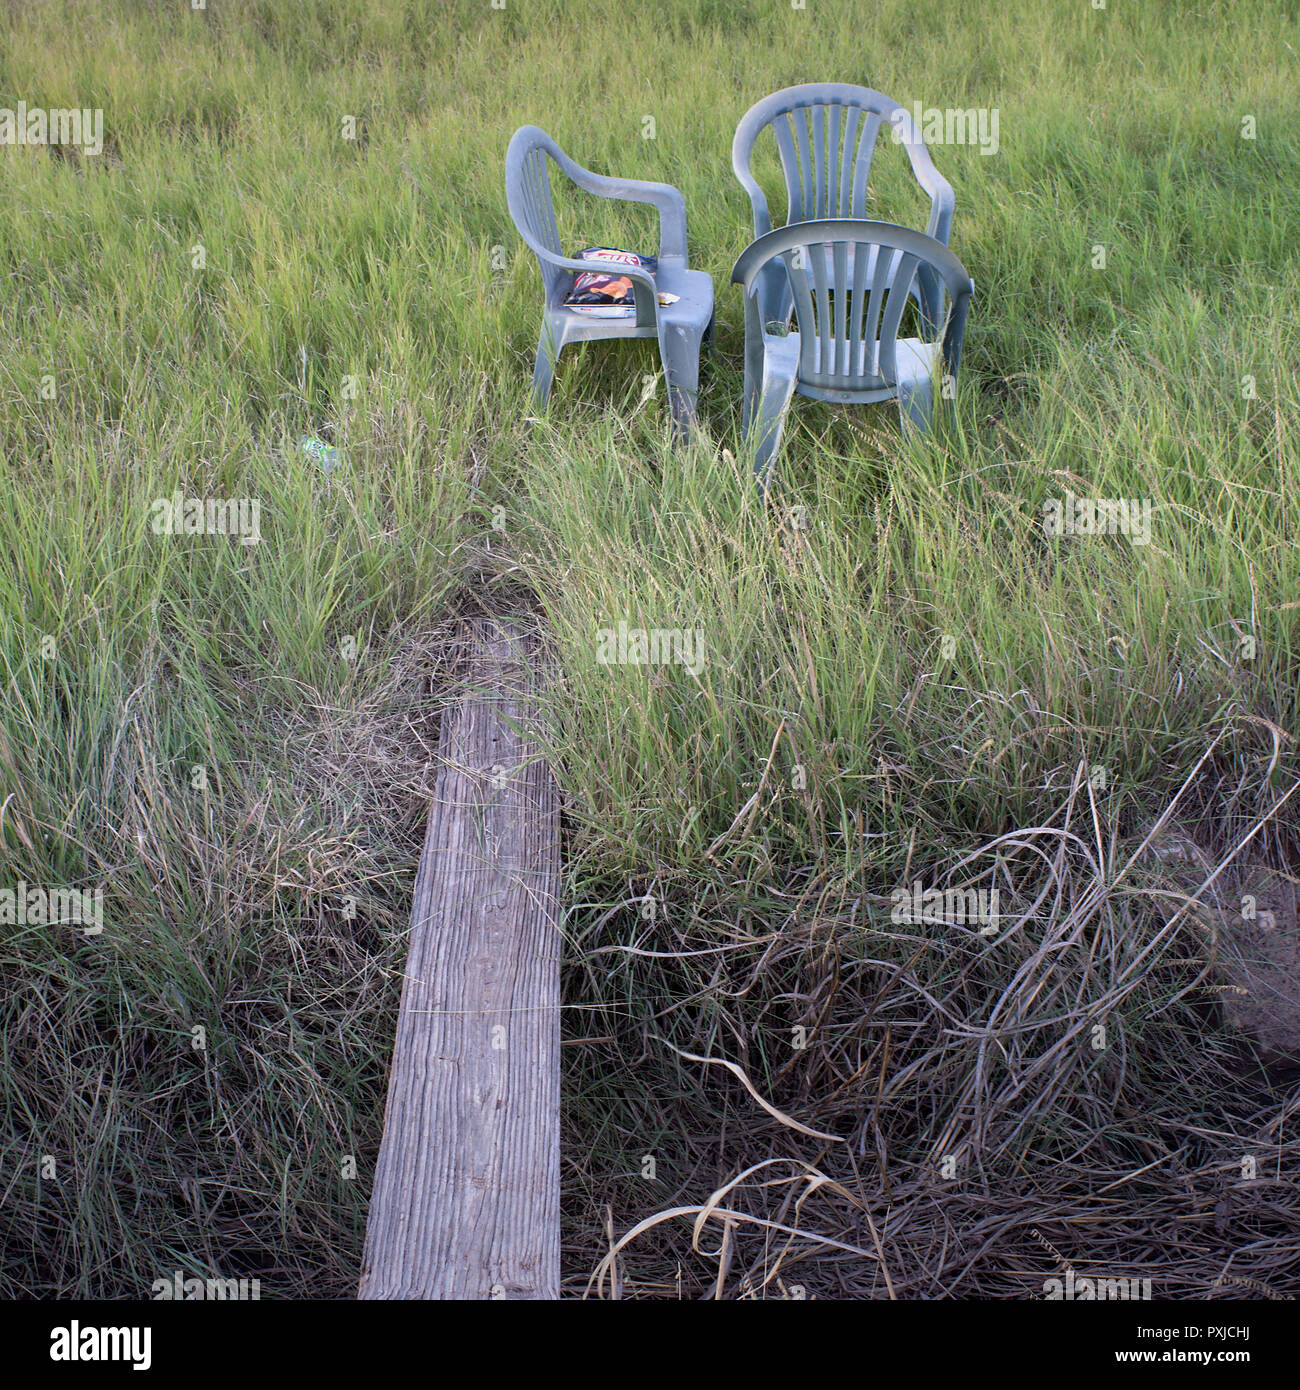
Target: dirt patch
1260 957
1255 911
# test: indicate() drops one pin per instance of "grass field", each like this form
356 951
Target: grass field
906 679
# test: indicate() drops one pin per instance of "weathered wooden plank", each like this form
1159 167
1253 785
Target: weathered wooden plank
466 1195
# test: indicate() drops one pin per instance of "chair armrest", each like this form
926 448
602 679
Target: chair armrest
757 198
773 244
955 330
942 198
942 203
752 124
668 200
643 283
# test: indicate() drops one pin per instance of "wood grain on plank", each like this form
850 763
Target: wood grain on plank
466 1195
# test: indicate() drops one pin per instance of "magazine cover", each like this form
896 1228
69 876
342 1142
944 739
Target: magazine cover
607 294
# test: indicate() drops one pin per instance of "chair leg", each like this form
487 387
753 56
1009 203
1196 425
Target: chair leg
916 404
775 301
755 363
679 349
767 421
548 353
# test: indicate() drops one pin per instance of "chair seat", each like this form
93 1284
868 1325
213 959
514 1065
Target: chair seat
694 289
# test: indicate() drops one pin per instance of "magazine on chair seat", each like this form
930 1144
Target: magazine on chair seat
606 294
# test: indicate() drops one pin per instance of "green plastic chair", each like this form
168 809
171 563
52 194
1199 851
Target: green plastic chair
846 346
826 133
681 328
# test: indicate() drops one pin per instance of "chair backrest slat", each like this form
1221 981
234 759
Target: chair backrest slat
834 130
806 176
538 206
879 284
857 313
900 281
861 168
840 306
815 256
819 124
848 164
802 288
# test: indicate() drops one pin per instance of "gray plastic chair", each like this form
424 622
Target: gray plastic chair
680 327
826 134
846 347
